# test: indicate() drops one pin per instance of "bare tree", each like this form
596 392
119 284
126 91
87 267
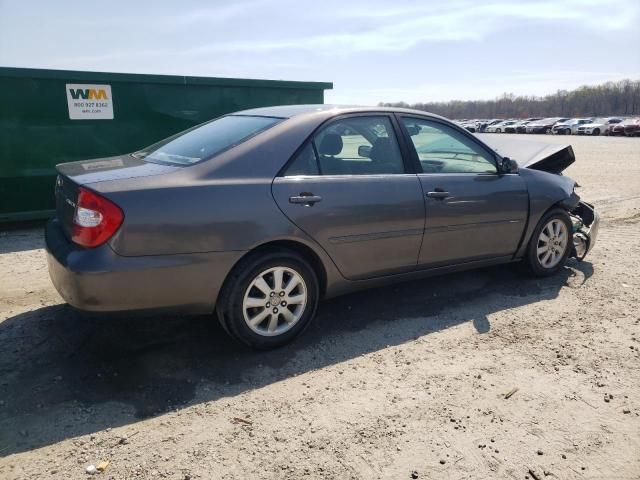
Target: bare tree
611 98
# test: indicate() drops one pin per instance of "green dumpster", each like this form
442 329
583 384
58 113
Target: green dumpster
53 116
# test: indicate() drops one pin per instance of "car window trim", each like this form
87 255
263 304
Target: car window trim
405 149
351 175
316 156
414 153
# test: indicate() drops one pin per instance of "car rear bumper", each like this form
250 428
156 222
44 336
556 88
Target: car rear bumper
99 280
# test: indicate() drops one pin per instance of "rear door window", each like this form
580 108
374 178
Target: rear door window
304 163
359 145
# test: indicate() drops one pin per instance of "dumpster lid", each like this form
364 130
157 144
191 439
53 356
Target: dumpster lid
86 76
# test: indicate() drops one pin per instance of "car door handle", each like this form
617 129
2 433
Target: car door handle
438 194
305 199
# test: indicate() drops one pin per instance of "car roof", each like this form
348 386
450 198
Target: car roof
290 111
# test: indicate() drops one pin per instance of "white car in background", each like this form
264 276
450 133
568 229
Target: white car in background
470 125
500 127
570 126
597 126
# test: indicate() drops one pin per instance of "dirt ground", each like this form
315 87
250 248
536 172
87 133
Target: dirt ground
404 382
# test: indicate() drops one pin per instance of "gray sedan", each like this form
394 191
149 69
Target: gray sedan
257 215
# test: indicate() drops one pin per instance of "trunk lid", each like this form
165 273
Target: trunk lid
121 167
548 157
66 193
72 175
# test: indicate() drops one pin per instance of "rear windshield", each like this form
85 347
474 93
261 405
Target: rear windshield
206 140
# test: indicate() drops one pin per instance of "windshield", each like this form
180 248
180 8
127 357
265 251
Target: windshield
206 140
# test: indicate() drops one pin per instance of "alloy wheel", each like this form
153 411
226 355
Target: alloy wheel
552 243
274 301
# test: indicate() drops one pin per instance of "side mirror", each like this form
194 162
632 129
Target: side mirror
413 130
364 151
509 166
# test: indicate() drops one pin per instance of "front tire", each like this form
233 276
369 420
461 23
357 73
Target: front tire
550 244
596 132
269 299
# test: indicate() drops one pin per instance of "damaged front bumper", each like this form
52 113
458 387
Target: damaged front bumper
585 229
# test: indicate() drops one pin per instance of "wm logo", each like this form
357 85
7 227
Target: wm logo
88 94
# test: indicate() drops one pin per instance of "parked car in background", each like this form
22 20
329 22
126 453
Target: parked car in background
597 126
522 126
617 129
545 125
609 127
632 127
258 215
510 127
570 126
500 127
482 127
491 127
470 125
612 123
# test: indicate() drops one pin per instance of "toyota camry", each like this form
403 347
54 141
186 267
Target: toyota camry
256 216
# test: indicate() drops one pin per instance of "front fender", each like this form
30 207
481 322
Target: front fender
546 190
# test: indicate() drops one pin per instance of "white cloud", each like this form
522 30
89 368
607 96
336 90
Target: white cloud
359 44
405 27
334 29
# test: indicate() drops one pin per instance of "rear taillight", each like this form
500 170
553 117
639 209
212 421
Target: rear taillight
96 219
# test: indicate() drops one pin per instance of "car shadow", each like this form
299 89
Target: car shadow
63 375
19 237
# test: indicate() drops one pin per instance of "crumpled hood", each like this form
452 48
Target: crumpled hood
548 157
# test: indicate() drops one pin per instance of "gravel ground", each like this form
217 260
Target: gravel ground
410 381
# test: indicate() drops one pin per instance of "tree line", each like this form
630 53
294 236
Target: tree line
609 99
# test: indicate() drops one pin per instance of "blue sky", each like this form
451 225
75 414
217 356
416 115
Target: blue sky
372 50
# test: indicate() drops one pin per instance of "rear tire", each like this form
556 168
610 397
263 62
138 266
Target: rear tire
268 299
550 244
567 131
